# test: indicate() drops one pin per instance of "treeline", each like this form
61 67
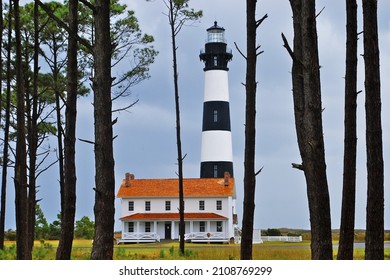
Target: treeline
84 228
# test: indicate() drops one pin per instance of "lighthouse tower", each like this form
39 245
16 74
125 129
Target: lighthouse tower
216 151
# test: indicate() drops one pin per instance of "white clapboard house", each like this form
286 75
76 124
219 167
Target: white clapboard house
149 209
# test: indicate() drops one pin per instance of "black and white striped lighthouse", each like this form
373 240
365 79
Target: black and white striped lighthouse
216 151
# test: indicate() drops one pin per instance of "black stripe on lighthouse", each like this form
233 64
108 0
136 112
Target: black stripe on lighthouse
216 115
215 169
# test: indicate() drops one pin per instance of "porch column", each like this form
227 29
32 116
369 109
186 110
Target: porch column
155 227
191 226
173 229
137 231
208 226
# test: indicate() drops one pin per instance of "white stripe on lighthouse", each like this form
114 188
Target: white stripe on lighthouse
216 146
216 85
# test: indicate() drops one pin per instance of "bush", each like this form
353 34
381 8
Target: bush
273 232
10 235
8 253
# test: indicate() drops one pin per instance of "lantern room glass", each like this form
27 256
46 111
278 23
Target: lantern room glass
216 36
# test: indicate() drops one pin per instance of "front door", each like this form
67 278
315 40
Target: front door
168 231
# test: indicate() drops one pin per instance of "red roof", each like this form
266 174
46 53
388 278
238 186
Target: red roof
195 187
173 216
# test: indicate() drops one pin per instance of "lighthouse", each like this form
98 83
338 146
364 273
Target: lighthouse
216 149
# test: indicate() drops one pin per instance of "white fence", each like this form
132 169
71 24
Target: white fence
282 238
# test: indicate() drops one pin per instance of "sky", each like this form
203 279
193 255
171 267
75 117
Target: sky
146 142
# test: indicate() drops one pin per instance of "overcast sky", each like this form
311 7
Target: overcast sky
146 142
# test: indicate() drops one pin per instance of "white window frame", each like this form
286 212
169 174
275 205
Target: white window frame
147 227
148 205
167 205
131 206
130 227
218 205
202 226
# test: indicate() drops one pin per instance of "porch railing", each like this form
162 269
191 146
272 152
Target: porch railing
205 236
141 236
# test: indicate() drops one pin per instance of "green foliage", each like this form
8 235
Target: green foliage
272 232
10 235
41 225
44 251
84 228
162 254
8 253
55 229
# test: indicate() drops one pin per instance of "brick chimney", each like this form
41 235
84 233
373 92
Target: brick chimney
128 178
226 177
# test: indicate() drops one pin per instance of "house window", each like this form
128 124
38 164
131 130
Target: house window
215 116
167 205
219 226
215 61
219 204
215 171
147 205
202 226
130 227
131 205
201 205
147 226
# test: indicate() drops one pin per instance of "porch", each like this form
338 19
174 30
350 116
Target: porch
196 230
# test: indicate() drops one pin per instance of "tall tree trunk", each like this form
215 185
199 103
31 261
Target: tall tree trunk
32 132
6 133
178 133
375 167
104 161
20 178
68 200
308 120
250 133
347 225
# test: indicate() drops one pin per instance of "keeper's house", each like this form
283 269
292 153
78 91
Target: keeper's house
149 209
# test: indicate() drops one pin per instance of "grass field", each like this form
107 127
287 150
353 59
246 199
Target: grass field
170 251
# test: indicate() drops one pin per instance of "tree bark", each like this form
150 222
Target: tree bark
347 225
308 120
104 161
68 196
172 23
20 178
6 133
32 133
250 134
374 248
